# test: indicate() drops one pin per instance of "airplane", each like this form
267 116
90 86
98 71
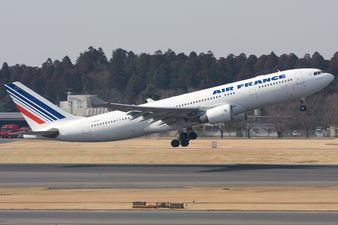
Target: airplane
220 104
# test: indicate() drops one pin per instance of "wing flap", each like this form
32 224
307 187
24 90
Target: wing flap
127 108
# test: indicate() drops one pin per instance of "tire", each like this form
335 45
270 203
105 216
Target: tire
184 136
192 135
302 108
175 143
184 143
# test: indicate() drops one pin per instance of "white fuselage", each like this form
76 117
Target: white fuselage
243 95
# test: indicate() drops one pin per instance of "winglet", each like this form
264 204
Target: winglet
150 100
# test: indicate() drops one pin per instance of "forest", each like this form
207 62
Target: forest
127 77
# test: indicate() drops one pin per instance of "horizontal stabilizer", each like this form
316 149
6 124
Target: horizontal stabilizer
52 133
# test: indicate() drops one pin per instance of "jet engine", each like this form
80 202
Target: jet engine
222 114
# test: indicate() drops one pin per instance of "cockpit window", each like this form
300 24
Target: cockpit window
317 73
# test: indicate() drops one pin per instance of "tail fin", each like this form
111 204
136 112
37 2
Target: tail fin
36 110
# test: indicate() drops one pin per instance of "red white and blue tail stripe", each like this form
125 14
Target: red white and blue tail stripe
36 110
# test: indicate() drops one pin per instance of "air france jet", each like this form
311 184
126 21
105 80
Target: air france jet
221 104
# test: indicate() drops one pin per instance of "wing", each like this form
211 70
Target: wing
166 114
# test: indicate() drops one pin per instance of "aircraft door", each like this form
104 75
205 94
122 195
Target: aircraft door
253 92
253 96
86 132
298 84
299 80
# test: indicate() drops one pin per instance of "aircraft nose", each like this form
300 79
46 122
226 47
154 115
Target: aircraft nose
330 77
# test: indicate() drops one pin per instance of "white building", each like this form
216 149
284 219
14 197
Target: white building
82 105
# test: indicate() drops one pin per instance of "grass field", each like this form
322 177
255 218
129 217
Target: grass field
151 150
234 198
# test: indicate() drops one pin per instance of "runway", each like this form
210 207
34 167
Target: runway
166 217
164 176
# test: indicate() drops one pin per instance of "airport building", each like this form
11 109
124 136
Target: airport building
82 105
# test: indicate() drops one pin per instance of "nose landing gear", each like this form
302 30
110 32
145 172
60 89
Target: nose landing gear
302 106
184 138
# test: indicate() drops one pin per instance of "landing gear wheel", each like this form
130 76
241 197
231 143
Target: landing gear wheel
184 143
192 135
175 143
184 136
302 108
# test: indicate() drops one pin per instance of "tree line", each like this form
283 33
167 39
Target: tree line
131 78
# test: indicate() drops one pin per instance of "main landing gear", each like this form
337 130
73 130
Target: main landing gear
302 106
183 138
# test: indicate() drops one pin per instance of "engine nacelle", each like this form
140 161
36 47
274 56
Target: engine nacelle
221 114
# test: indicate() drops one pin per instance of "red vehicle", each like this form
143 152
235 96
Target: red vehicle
9 131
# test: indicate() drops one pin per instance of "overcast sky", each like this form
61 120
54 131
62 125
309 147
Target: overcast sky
34 30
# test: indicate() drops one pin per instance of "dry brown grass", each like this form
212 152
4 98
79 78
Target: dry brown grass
150 150
234 198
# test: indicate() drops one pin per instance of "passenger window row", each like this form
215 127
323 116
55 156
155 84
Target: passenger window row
275 83
230 93
203 100
111 121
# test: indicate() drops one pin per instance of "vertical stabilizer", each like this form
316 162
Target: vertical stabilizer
36 110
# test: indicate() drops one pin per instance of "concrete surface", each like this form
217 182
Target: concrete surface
165 176
37 217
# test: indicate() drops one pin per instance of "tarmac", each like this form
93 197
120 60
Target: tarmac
165 176
167 217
